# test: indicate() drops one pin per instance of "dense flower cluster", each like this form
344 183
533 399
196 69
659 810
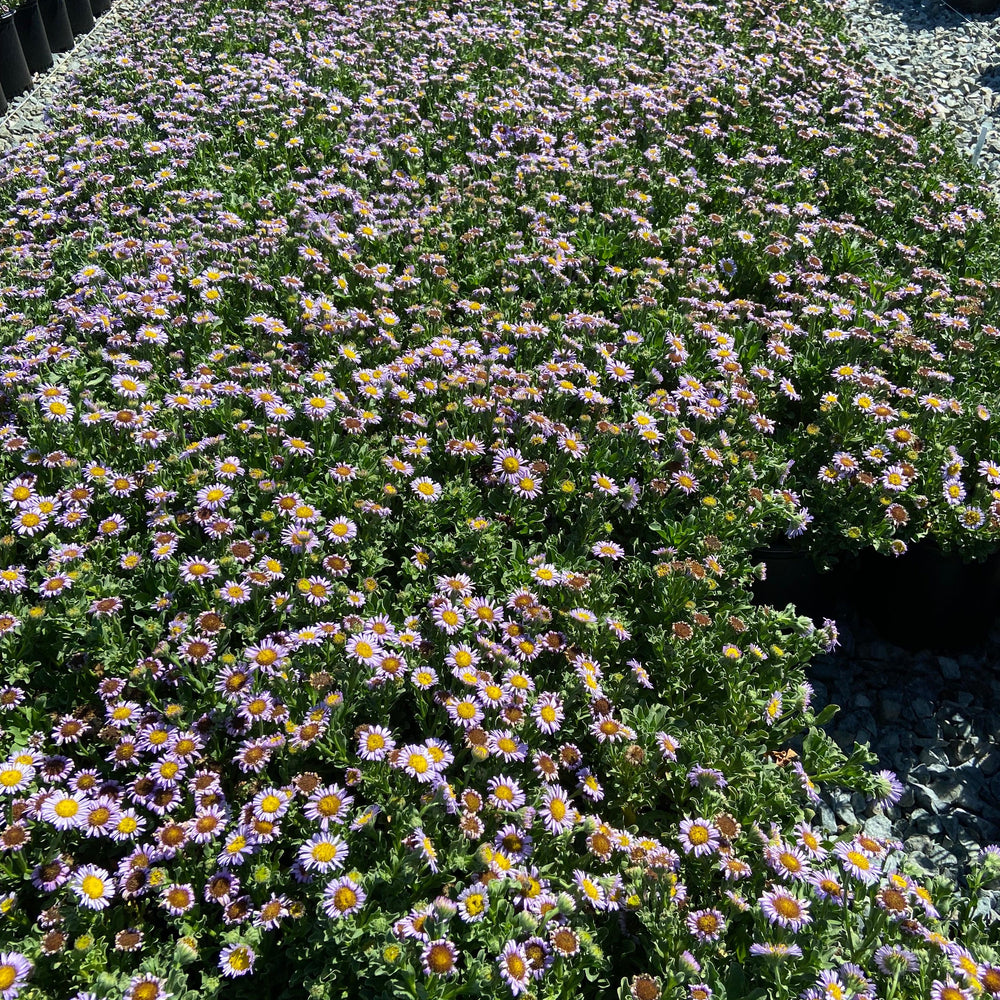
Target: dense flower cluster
391 396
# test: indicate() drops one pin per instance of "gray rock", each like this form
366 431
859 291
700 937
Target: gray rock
841 802
922 823
962 752
878 826
891 706
989 763
937 753
950 670
827 819
931 856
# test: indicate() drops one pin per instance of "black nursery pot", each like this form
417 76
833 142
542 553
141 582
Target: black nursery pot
976 6
81 17
58 29
3 103
15 77
100 7
792 578
928 600
34 41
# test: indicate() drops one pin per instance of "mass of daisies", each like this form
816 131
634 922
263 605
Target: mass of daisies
392 396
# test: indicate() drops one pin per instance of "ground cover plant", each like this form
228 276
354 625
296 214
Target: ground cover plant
393 395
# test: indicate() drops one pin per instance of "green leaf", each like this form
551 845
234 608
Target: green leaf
826 715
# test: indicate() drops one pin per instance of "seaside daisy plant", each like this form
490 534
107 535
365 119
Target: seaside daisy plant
391 395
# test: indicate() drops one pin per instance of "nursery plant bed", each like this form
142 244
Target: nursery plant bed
927 598
34 40
15 77
792 578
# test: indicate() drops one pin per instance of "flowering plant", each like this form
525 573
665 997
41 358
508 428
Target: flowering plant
377 500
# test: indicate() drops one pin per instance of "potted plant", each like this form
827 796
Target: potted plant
58 29
976 6
930 598
81 16
15 77
31 32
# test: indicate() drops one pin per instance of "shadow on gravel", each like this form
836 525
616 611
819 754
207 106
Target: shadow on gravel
925 15
934 719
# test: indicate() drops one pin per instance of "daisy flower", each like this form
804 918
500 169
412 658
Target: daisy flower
177 899
784 909
54 586
949 990
607 550
809 842
503 743
706 925
146 986
465 712
374 742
14 777
547 713
473 903
514 968
698 836
416 762
343 897
895 960
829 885
93 886
605 484
64 810
857 863
448 618
527 487
426 489
546 575
668 746
323 852
439 958
505 793
237 960
14 970
271 803
340 531
787 862
510 464
890 789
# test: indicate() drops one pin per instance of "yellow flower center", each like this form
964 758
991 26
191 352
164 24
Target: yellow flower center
239 959
439 959
92 887
344 898
324 853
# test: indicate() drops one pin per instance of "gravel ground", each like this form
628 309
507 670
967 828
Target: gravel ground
950 60
25 118
934 720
